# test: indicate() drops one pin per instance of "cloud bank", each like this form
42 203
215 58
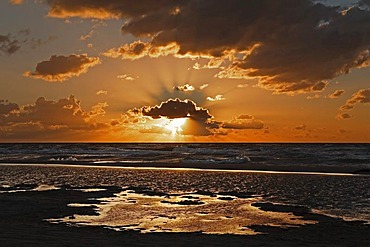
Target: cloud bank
289 46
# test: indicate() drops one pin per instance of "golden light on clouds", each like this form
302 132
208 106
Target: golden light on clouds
175 69
175 125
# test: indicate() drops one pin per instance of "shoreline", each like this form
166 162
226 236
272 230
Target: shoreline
236 168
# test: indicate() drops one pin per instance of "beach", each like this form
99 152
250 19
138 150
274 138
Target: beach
79 206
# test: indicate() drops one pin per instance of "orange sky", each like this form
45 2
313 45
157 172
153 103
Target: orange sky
217 71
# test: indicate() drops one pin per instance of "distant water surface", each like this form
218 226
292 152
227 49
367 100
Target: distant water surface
287 157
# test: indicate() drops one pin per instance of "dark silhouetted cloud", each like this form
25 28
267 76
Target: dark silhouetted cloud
61 68
8 44
290 46
176 108
7 107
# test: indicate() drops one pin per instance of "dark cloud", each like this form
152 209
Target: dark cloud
362 96
7 107
290 46
176 108
61 68
336 94
8 44
199 122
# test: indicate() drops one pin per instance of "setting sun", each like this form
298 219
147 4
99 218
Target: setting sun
174 125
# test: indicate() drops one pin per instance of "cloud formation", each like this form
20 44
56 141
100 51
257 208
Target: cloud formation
7 107
303 43
184 88
176 108
48 119
362 96
243 122
216 98
8 44
336 94
61 68
343 115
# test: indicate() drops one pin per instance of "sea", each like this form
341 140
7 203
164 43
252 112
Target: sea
330 179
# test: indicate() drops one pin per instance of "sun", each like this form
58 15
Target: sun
174 125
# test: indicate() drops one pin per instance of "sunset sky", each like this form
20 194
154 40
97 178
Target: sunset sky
184 70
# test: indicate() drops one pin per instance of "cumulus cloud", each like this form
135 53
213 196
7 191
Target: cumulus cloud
184 88
61 68
186 117
61 118
336 94
289 46
243 122
197 120
362 96
176 108
8 44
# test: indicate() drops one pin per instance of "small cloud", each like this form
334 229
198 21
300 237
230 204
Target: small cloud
301 127
8 44
343 115
336 94
197 66
316 96
102 92
242 86
216 98
343 131
61 68
184 88
87 36
243 121
203 86
126 77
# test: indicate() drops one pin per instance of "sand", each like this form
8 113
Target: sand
24 214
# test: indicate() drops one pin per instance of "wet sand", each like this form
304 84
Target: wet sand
23 223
